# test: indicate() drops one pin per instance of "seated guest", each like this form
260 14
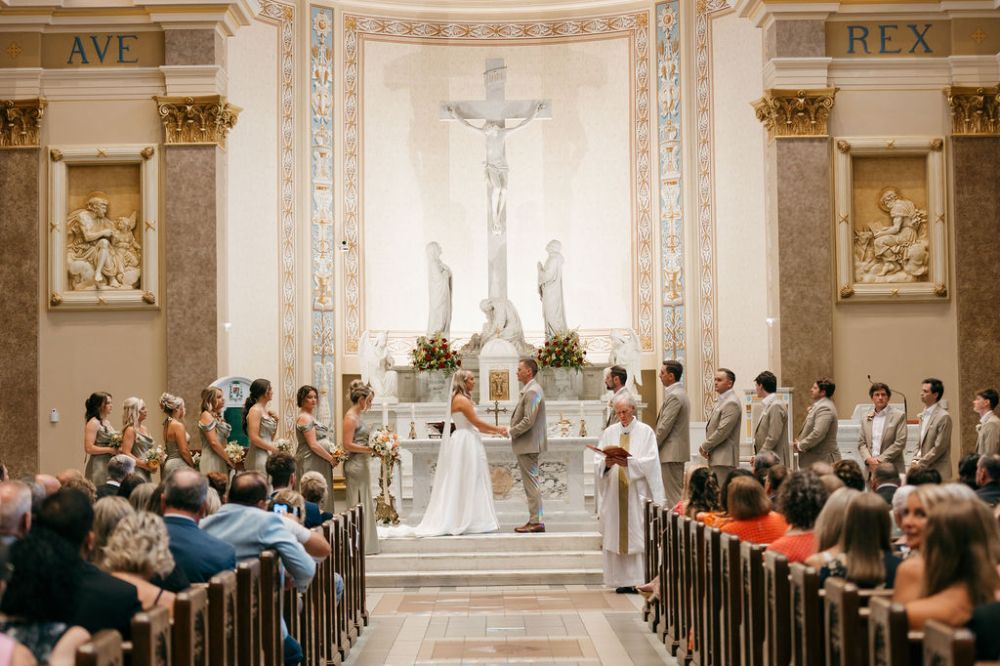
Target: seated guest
289 503
751 518
102 601
821 467
119 467
885 481
721 516
919 475
703 493
967 468
219 481
960 572
830 524
849 472
899 500
775 477
40 597
864 553
832 483
130 483
762 462
988 479
138 550
212 502
801 499
85 486
686 489
197 553
281 469
108 512
140 496
15 511
314 489
49 483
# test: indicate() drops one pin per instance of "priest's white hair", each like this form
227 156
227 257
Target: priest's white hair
625 398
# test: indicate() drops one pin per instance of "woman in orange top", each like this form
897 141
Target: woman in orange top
721 517
750 511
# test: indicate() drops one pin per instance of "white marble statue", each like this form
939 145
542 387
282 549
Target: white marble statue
897 252
550 290
439 288
102 252
502 322
376 364
625 352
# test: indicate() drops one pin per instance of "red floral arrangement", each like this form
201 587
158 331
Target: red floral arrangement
562 350
434 353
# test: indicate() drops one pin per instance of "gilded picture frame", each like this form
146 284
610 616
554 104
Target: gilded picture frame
891 219
102 227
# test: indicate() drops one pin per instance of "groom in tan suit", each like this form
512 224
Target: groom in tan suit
528 439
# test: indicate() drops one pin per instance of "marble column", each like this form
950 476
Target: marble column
21 269
194 184
977 255
800 239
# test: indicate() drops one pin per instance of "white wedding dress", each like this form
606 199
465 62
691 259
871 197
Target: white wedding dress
462 496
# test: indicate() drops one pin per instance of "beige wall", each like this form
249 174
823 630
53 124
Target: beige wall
82 352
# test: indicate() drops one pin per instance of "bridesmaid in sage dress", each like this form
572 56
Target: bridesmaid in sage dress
260 425
214 432
175 436
311 453
359 454
98 437
136 440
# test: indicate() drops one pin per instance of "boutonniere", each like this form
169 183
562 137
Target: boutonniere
922 416
979 426
870 416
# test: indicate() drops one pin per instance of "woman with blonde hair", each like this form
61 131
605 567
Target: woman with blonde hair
313 453
356 468
830 523
175 436
863 555
138 549
136 440
214 433
292 504
140 496
98 437
108 512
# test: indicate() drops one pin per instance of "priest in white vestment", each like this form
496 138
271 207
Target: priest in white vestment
627 473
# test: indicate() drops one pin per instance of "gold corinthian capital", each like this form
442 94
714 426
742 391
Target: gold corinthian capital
795 113
20 121
196 120
974 110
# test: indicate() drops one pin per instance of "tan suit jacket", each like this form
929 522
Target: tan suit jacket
818 438
893 438
988 441
673 435
935 445
771 432
723 433
527 423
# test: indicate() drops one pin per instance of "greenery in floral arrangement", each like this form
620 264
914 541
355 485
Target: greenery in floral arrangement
562 350
434 353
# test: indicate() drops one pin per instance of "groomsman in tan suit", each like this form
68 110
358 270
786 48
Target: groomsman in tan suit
988 428
817 442
882 435
771 431
614 379
528 439
935 431
722 442
672 434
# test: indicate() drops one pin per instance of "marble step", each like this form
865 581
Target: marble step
483 561
483 543
476 578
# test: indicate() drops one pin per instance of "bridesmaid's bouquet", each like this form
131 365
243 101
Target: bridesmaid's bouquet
385 445
338 453
115 441
196 458
283 445
235 452
154 457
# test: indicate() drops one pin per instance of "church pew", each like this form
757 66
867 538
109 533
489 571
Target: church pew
190 631
806 616
103 649
358 567
696 533
339 545
652 611
663 608
649 547
948 646
350 585
672 583
331 624
685 620
362 510
777 599
222 619
752 604
270 605
151 638
730 589
844 627
248 644
711 628
290 610
889 641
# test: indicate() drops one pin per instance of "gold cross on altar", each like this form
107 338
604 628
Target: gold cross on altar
14 50
495 411
979 36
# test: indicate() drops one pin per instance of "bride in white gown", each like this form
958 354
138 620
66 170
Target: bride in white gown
462 496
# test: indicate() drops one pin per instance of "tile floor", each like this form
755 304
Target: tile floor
543 624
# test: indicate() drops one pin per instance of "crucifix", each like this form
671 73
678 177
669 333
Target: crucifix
494 112
495 411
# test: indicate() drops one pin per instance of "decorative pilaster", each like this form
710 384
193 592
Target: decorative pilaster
795 113
20 122
197 120
974 111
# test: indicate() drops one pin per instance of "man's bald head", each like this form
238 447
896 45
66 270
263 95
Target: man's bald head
50 483
248 489
15 508
185 490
